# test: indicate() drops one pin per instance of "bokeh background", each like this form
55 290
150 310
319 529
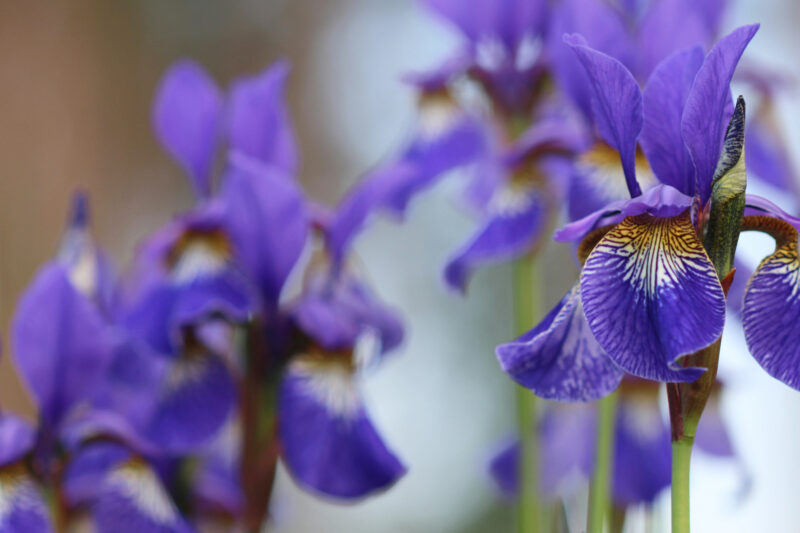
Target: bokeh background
76 82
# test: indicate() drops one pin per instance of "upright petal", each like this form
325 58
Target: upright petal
187 119
651 295
669 25
511 228
62 346
771 307
664 99
329 444
260 126
267 220
22 504
708 106
616 104
559 359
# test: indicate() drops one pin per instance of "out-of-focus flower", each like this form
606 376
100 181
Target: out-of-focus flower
642 452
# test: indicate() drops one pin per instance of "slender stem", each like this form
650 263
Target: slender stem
599 491
681 459
526 307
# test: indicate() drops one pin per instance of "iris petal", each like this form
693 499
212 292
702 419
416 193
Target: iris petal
616 104
22 506
195 400
708 106
771 309
651 295
559 359
260 126
134 500
664 100
512 228
187 119
329 444
62 345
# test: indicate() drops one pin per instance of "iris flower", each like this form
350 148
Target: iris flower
649 291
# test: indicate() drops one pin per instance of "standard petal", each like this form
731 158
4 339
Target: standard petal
196 397
708 106
260 126
134 500
267 220
329 444
336 311
771 309
512 227
616 104
651 295
664 100
22 503
559 359
666 27
62 346
187 120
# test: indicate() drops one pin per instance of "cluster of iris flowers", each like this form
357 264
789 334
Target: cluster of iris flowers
167 394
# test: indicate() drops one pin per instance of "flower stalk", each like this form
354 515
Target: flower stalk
600 489
526 309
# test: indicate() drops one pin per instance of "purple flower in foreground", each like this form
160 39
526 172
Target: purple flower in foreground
650 294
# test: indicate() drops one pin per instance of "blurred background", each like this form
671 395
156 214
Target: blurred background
76 82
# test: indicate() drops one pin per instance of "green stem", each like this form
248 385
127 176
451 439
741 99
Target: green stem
526 310
599 491
681 459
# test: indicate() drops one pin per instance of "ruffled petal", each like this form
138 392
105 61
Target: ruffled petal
651 295
329 444
659 201
134 500
391 187
642 453
62 346
260 126
512 227
664 100
266 218
187 120
559 359
771 311
709 107
616 104
22 503
194 402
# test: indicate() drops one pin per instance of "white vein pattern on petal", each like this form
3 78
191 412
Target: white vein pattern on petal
199 259
510 200
139 484
18 491
329 383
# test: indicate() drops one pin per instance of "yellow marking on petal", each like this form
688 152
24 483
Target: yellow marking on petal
198 253
657 251
330 379
137 482
602 164
17 491
785 260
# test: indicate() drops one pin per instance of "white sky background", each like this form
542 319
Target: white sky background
442 401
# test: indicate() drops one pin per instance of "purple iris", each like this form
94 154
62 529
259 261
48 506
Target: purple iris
649 292
642 454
